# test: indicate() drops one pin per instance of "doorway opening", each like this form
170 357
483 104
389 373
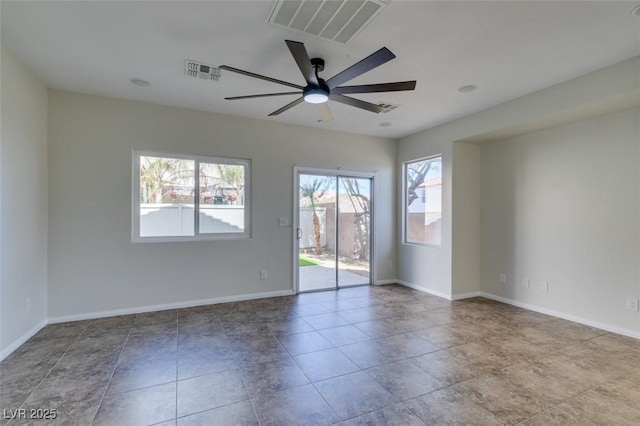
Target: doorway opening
333 230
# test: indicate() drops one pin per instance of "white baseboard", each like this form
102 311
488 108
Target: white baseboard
166 306
385 282
188 304
20 340
424 290
558 314
461 296
569 317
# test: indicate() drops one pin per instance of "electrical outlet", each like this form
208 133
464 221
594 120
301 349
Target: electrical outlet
502 278
525 282
263 274
283 221
632 304
390 264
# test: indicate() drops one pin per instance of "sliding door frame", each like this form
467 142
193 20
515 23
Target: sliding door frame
335 173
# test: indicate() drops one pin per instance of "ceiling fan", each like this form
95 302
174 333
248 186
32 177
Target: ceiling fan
319 91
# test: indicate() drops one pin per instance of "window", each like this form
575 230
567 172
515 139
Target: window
422 182
183 198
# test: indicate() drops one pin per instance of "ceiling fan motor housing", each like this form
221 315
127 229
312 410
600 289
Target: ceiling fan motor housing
318 64
316 94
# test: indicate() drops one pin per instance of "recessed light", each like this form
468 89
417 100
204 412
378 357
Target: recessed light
385 124
467 89
140 82
636 11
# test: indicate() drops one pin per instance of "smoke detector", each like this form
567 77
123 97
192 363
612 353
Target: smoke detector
200 70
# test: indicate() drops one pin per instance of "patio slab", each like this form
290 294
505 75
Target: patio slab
318 277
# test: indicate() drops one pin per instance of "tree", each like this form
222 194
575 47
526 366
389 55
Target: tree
416 173
232 176
362 216
314 190
159 176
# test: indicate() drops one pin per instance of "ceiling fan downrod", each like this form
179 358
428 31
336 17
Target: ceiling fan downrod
316 94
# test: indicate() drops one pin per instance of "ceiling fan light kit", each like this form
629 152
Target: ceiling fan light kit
319 91
315 95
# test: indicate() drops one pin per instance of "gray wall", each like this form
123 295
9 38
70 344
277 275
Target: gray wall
563 205
427 267
94 267
65 205
23 212
496 222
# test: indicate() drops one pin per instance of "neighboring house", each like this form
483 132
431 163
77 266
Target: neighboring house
425 213
429 201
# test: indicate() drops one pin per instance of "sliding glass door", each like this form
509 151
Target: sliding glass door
354 231
333 235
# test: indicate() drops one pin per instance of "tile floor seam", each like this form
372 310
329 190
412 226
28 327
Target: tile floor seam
242 378
175 414
253 407
328 405
549 404
556 405
261 395
426 372
207 409
470 399
402 344
93 418
622 401
50 370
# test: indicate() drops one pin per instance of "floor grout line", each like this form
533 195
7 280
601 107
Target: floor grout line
93 418
175 414
258 317
51 369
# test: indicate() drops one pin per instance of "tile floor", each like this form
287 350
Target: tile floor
367 355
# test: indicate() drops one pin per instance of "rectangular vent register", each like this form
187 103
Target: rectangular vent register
337 20
197 69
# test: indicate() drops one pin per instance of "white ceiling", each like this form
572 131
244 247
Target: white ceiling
507 49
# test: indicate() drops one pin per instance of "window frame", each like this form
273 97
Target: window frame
405 207
197 236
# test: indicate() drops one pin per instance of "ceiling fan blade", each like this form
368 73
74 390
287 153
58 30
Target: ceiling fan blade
356 103
233 98
371 88
325 112
367 64
287 106
261 77
301 57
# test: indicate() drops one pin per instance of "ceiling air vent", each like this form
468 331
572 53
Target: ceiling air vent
337 20
387 107
199 70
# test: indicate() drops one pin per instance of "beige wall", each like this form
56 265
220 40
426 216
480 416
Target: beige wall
93 265
65 201
23 212
427 267
472 254
467 187
563 206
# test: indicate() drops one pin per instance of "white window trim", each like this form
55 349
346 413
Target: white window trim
135 200
405 241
